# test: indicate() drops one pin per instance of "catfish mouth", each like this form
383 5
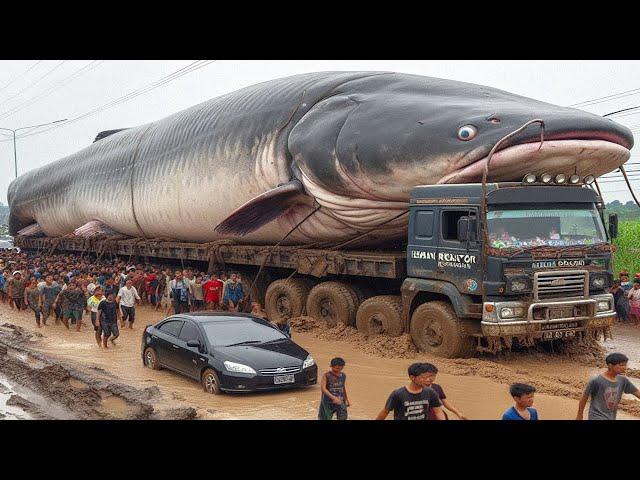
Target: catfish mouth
570 153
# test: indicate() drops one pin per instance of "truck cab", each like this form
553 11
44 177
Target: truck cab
510 263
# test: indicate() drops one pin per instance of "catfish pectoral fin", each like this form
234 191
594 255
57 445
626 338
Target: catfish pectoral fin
33 230
263 209
92 228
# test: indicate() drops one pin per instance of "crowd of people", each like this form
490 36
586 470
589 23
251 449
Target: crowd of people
66 287
626 296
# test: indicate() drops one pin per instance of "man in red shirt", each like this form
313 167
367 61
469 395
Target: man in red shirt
213 292
151 285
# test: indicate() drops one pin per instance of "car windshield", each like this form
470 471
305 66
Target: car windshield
544 225
243 331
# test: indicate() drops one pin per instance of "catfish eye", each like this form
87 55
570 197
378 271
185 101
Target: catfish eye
468 132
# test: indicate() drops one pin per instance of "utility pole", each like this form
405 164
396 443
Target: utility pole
15 154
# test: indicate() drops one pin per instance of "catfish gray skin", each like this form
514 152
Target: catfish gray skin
256 162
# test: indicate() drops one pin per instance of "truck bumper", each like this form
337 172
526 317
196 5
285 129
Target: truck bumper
547 319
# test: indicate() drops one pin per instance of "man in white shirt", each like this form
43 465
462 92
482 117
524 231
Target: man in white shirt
126 299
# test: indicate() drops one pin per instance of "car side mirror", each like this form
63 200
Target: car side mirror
193 343
613 225
467 228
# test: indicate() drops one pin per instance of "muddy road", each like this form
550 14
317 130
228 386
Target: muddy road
55 373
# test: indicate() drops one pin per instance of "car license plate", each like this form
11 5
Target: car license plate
554 335
559 326
279 379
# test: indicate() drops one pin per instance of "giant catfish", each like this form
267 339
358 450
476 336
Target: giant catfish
252 164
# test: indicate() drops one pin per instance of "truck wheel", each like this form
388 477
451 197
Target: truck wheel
435 329
332 302
381 315
285 299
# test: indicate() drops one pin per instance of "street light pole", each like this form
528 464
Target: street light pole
15 154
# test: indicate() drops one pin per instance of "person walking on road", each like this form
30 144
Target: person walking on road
443 399
32 298
180 293
605 390
126 300
414 401
334 399
107 320
92 304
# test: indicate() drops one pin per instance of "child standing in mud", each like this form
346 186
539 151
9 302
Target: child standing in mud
414 401
605 390
107 320
334 398
523 397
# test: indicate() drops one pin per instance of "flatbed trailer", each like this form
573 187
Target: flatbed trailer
313 262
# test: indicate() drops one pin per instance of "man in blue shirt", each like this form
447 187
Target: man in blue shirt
523 396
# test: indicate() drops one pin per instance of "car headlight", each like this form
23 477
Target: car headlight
238 367
512 312
598 281
519 285
603 305
309 362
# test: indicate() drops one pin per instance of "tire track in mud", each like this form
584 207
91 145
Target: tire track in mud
83 396
552 373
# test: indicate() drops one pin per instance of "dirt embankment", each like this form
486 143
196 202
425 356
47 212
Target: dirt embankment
81 395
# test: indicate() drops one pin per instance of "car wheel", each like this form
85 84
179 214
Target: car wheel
151 359
210 381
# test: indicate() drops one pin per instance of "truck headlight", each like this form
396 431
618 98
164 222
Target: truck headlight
512 312
309 362
603 305
519 285
238 367
598 281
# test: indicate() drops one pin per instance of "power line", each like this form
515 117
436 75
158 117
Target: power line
34 83
131 95
607 98
65 81
21 75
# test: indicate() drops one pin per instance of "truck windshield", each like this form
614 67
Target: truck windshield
544 225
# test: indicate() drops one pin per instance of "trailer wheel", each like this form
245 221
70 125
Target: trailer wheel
435 329
332 302
381 315
286 299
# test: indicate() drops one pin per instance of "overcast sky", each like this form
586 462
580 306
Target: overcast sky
33 92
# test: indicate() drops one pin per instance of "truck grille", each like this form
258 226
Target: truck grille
569 283
279 371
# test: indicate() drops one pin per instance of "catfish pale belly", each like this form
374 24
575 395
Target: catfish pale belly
339 150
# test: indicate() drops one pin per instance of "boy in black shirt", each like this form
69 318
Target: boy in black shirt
108 320
414 401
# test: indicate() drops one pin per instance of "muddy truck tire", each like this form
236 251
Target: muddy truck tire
333 303
435 329
210 382
286 298
151 359
381 315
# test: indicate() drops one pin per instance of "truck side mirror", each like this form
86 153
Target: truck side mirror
467 228
613 225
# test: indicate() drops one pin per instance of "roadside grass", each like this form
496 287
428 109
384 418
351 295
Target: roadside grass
627 257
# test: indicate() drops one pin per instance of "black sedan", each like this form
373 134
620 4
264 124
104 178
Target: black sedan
232 352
